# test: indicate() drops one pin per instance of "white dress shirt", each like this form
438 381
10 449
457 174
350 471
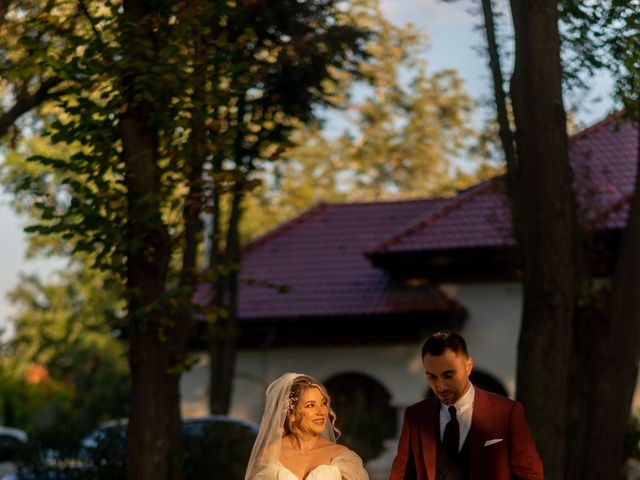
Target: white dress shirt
464 412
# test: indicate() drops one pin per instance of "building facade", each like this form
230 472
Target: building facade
348 293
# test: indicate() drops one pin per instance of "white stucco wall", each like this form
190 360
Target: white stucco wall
491 332
398 368
492 328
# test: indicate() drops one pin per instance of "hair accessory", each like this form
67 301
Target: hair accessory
293 401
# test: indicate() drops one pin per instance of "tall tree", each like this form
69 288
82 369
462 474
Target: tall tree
134 111
290 57
545 221
592 30
402 127
606 35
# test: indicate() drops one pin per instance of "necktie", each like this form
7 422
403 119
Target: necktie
451 438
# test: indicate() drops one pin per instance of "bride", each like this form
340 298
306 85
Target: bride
297 439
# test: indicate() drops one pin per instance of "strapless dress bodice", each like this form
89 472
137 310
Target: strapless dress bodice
346 464
321 472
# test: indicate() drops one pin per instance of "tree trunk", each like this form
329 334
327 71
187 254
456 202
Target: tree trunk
148 434
178 337
148 440
615 372
217 288
222 354
547 216
502 115
587 392
224 333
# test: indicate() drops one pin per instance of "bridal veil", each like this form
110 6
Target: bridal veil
266 449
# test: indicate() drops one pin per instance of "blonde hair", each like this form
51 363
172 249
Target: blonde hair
300 385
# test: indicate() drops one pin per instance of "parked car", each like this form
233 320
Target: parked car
12 441
216 446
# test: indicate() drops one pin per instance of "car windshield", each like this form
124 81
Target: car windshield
105 434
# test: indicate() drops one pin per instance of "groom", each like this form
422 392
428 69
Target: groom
463 432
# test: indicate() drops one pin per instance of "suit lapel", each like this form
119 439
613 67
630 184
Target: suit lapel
480 427
430 433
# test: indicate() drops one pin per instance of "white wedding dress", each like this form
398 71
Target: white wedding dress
346 465
321 472
264 462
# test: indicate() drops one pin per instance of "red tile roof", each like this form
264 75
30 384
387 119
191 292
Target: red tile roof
604 161
476 217
320 258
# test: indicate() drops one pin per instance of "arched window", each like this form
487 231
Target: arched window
364 413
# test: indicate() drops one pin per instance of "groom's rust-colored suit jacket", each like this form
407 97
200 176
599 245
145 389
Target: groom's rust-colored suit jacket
500 444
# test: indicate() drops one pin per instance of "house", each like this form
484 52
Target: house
348 292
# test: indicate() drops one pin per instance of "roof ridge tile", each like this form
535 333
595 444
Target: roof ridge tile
586 132
357 203
463 197
601 215
286 226
323 206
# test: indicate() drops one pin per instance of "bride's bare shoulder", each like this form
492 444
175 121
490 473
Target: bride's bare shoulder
338 449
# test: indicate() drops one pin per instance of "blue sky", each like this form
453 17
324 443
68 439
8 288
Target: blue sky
453 36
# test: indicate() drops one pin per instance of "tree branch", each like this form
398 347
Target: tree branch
26 101
91 21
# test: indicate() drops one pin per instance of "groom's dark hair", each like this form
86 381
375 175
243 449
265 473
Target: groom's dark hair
437 343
